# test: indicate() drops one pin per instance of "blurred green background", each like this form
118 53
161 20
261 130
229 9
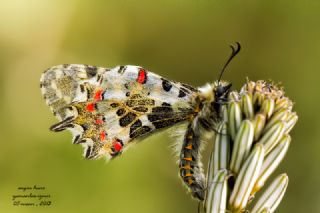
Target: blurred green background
184 40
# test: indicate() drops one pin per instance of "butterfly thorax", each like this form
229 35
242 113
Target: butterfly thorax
210 100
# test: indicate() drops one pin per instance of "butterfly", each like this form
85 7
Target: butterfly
108 110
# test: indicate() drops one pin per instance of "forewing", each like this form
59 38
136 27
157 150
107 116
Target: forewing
106 109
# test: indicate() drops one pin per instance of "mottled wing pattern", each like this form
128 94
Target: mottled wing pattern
106 109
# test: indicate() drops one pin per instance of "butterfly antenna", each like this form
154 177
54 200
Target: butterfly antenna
235 51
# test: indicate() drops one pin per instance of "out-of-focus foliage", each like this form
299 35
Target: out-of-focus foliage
183 40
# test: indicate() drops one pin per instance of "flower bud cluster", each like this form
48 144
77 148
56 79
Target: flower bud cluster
251 141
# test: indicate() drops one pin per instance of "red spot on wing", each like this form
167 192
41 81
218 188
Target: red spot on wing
117 146
142 76
90 107
102 135
99 121
98 95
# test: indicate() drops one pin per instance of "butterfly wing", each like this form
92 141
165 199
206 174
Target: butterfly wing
106 109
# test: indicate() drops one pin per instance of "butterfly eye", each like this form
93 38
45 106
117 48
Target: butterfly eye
219 91
222 90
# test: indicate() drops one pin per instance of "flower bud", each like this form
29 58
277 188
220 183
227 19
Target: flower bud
245 180
271 198
272 136
272 161
235 118
247 106
242 145
216 199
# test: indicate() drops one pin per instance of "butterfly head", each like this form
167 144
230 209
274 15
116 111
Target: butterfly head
215 94
221 90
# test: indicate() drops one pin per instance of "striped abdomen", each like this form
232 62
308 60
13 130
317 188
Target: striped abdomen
190 165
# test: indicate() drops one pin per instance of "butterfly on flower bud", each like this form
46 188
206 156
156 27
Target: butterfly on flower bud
108 110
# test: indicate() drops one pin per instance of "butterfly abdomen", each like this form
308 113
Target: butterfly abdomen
190 167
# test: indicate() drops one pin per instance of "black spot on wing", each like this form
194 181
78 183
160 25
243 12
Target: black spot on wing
92 151
140 131
162 109
121 111
135 126
140 109
165 116
127 119
121 69
181 93
99 78
165 104
166 85
62 125
82 89
88 92
160 113
168 122
185 90
85 127
114 105
158 116
80 140
191 88
166 112
76 139
91 71
88 152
